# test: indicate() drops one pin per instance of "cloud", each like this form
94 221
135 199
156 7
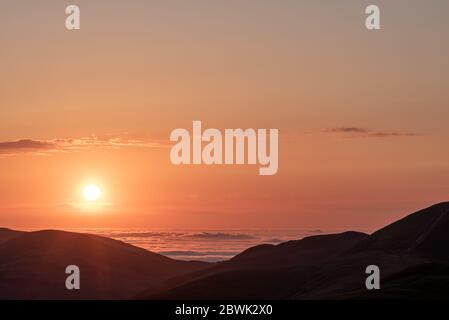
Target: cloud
149 234
357 132
74 144
392 134
221 236
347 130
25 145
198 253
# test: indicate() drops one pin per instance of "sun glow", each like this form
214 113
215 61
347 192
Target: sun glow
91 193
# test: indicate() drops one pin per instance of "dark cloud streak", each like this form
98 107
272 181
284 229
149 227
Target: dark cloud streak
25 144
357 132
347 130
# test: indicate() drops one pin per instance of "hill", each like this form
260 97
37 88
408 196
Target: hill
33 266
332 266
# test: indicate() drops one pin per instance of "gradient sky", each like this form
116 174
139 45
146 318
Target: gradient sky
362 115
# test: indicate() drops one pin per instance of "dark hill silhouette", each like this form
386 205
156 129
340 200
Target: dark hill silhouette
239 284
407 244
402 250
253 264
33 266
309 250
425 232
7 234
415 240
411 254
423 281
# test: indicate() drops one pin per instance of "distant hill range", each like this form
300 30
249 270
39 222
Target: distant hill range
411 253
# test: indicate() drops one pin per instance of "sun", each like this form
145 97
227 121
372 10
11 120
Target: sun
91 193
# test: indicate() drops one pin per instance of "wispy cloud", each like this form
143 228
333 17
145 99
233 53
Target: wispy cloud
73 144
358 132
25 145
347 130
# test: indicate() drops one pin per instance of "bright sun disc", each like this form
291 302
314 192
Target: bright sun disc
92 193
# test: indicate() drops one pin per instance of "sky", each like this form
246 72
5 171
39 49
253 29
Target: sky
362 115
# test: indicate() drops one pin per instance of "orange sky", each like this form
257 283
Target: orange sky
362 116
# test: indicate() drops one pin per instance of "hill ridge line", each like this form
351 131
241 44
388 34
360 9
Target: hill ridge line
426 233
